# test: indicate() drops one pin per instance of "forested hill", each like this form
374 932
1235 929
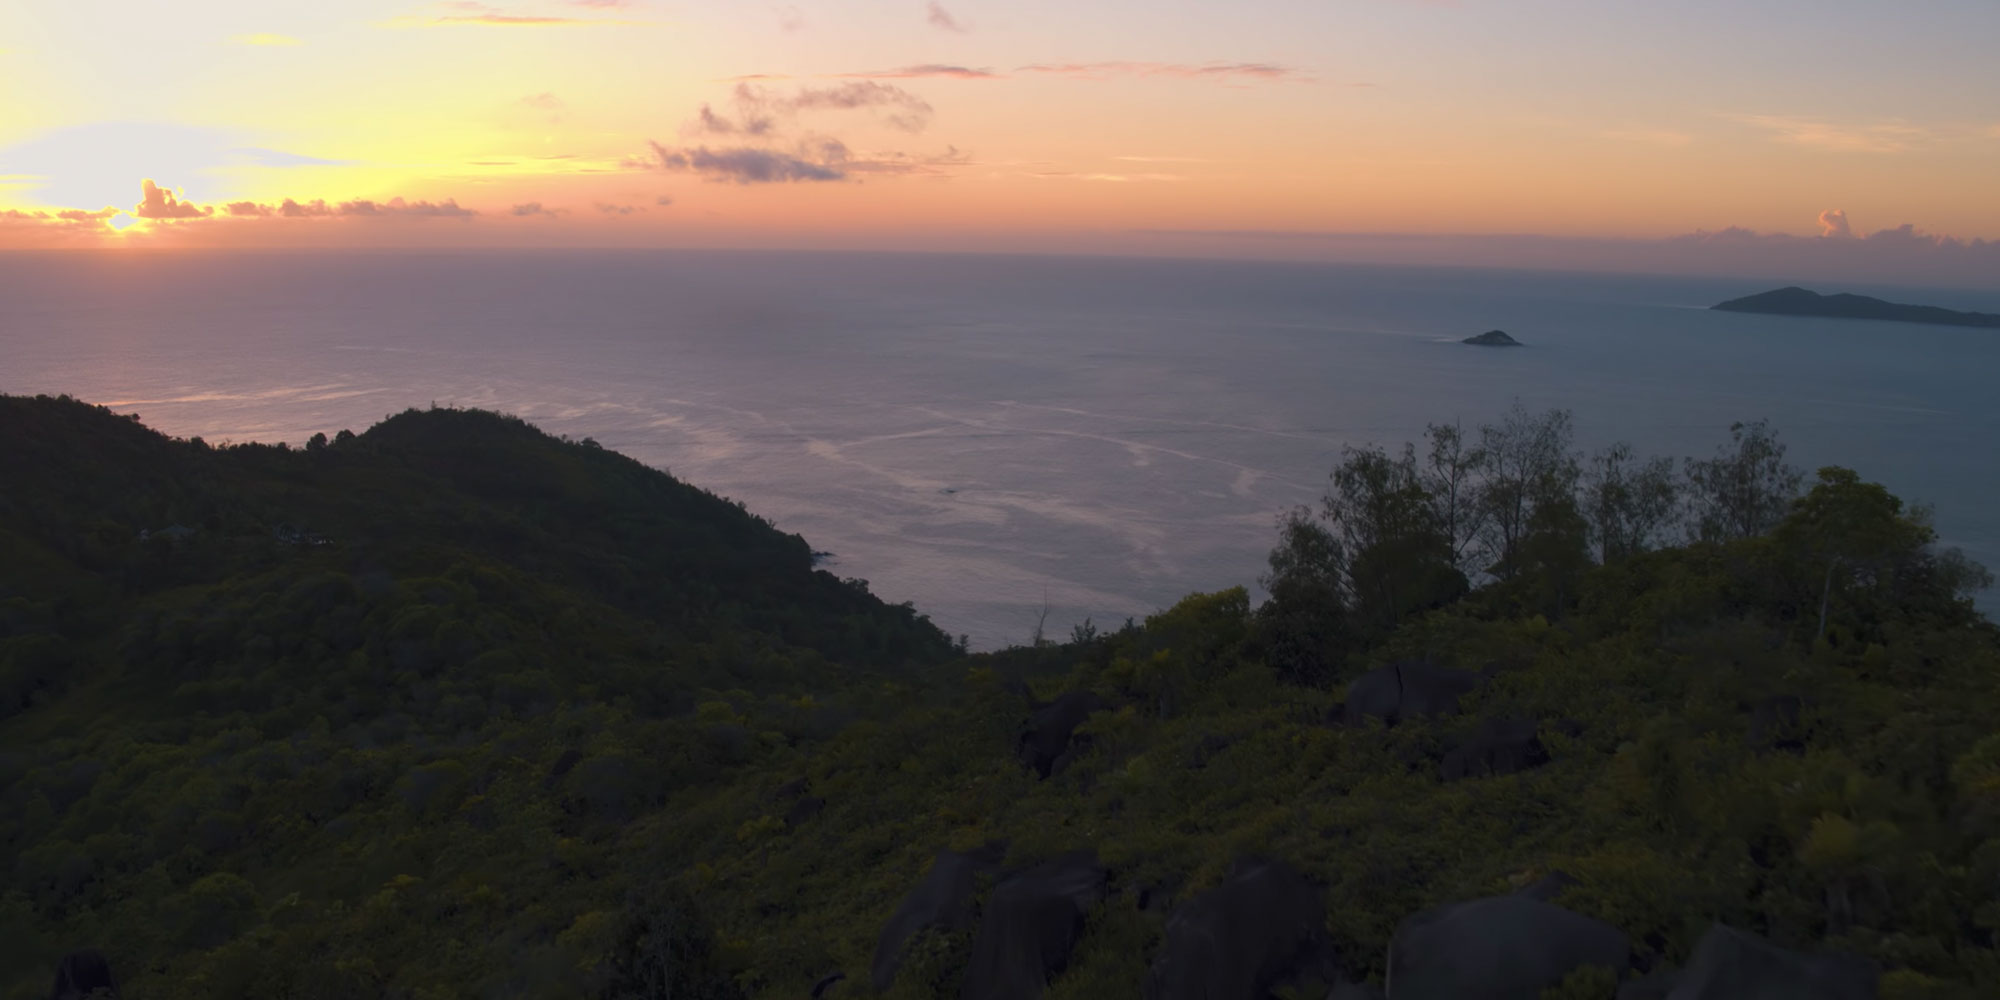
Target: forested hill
1795 301
455 709
521 533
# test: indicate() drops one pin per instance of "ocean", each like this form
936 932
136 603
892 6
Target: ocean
1003 440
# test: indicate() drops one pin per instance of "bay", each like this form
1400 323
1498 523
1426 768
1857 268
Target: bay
990 436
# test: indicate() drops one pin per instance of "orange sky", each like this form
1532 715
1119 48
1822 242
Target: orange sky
1017 126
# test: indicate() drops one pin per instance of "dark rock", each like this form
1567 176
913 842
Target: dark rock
1031 924
1501 948
1492 338
83 974
944 900
1263 927
1568 727
804 810
1497 747
790 790
1729 964
1402 691
1048 744
1548 887
824 988
1775 724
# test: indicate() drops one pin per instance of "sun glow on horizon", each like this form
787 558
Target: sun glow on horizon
991 126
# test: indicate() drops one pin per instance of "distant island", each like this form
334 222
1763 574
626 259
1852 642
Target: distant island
1796 301
1493 338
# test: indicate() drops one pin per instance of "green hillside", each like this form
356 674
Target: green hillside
453 708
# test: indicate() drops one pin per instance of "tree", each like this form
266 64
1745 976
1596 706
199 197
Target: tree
1853 532
665 949
1450 478
1555 553
1628 503
1399 558
1303 627
1745 490
1528 463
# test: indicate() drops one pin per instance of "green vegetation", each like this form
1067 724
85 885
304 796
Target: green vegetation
454 708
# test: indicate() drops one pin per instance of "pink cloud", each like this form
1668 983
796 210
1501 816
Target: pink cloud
942 19
159 203
928 70
1226 72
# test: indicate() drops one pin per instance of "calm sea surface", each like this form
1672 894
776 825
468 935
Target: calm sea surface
983 435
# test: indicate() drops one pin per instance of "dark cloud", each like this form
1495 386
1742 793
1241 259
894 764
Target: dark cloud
1900 255
76 215
859 94
713 124
358 208
759 110
744 165
162 204
529 208
1226 72
159 203
819 159
607 208
446 209
310 210
941 18
929 70
64 225
1839 242
911 163
664 200
762 114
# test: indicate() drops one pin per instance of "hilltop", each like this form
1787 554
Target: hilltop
452 707
1795 301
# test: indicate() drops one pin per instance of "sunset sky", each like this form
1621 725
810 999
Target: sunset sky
1157 126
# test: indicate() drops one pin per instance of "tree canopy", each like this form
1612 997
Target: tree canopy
454 708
